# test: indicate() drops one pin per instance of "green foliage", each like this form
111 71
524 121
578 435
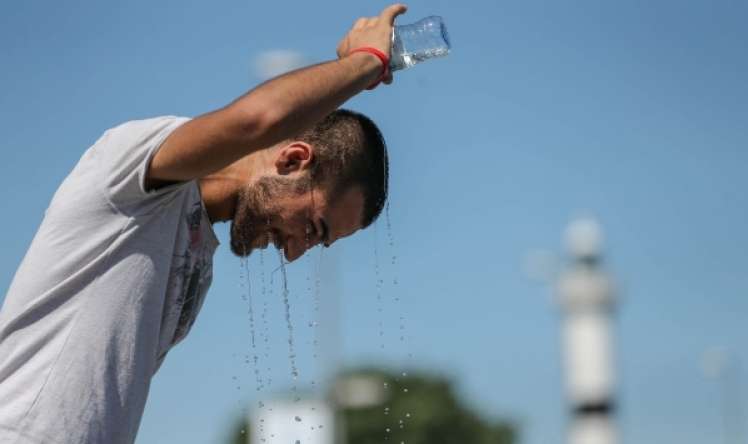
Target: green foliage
430 414
239 432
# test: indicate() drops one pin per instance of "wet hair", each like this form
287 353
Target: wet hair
350 151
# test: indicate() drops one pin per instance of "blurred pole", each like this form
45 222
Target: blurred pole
726 370
329 339
733 404
586 295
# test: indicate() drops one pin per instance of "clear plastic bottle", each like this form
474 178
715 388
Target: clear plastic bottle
419 41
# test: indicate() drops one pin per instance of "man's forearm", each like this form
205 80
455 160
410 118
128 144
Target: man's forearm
295 101
278 109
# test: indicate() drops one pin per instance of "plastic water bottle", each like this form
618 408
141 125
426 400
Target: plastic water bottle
417 42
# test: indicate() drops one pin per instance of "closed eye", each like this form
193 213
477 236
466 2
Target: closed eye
312 232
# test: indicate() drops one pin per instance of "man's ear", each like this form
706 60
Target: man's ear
294 157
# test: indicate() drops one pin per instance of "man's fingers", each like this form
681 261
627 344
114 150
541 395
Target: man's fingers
359 23
389 13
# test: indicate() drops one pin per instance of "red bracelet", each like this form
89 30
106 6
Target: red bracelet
382 57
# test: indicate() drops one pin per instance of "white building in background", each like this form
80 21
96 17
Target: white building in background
289 422
586 295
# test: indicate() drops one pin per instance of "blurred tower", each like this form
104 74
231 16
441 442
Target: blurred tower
586 295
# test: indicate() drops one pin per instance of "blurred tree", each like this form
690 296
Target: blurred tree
421 409
239 432
417 409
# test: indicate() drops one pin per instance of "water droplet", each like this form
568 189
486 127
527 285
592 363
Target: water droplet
289 325
407 415
298 419
405 390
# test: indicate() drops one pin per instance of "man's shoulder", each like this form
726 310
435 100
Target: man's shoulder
149 123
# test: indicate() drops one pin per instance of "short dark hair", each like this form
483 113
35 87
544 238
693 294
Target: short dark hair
350 151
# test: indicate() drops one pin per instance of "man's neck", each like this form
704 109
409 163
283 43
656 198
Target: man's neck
219 197
220 190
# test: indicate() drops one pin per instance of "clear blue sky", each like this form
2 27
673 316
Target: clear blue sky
635 111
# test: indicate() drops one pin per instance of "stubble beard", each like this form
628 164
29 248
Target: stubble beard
255 209
252 217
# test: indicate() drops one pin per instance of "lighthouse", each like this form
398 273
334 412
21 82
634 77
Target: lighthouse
586 295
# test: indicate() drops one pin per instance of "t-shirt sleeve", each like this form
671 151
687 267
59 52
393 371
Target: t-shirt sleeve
124 154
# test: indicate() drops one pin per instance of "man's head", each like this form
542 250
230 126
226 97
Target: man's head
326 184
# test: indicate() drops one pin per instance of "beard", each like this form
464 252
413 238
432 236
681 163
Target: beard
257 209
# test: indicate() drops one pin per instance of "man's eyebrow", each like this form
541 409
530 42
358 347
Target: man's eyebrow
325 233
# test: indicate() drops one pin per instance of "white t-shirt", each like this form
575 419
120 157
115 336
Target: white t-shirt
113 279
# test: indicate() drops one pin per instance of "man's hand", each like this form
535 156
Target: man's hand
375 32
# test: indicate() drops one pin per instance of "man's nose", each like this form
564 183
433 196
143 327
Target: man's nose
292 255
297 249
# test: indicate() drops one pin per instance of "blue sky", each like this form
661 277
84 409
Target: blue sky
635 112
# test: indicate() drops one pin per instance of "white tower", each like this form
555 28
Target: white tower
586 295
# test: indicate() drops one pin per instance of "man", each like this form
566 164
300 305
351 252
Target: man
119 267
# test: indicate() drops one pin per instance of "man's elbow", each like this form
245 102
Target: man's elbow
257 125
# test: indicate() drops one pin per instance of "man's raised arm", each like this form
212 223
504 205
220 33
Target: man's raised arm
277 109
